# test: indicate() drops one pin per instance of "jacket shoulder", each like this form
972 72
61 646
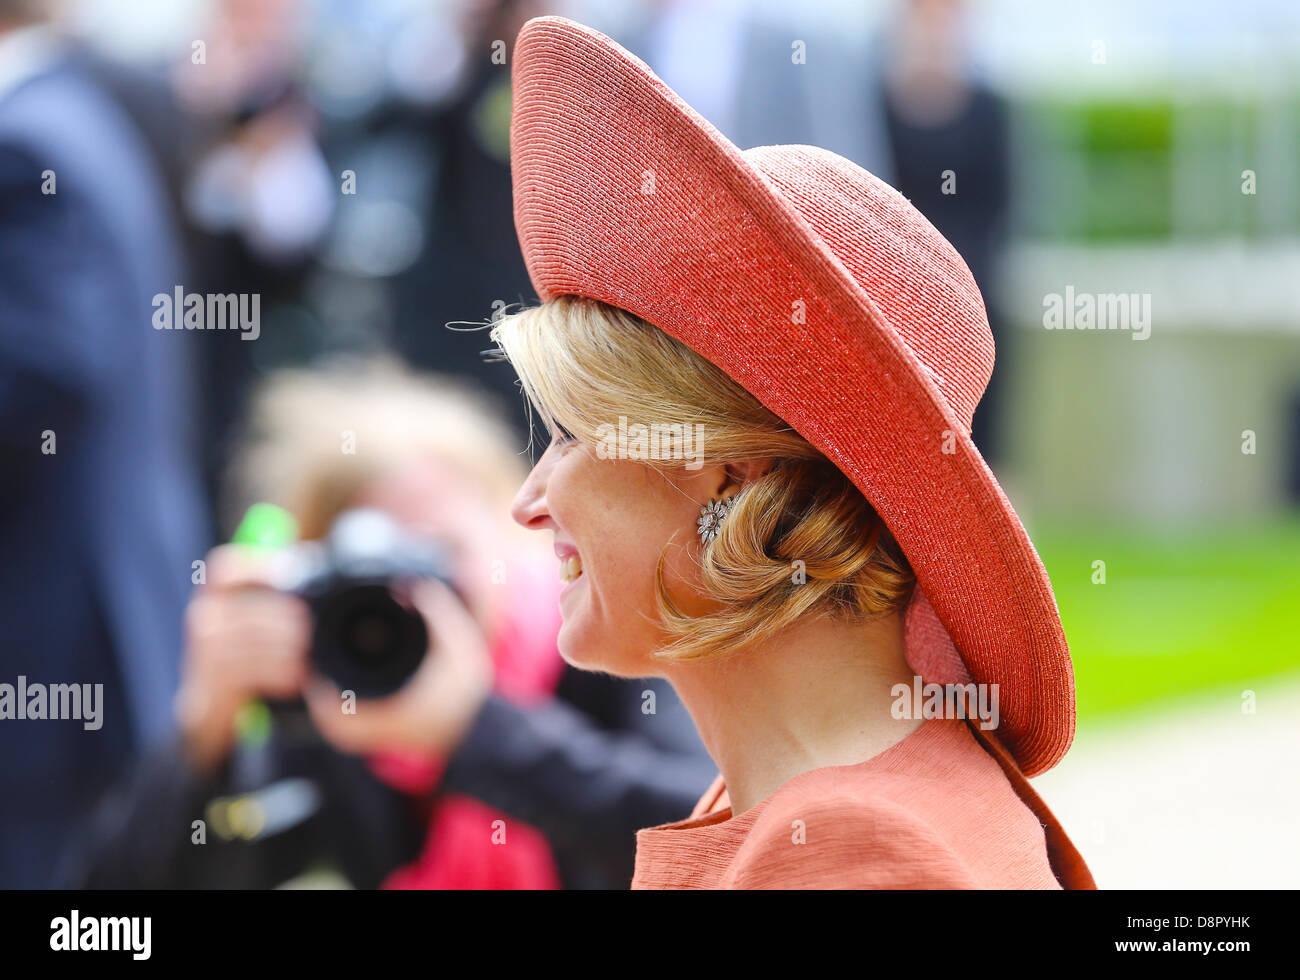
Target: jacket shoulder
828 838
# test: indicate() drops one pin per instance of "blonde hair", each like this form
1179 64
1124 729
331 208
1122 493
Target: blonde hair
583 364
302 421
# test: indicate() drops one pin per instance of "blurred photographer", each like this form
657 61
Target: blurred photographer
493 766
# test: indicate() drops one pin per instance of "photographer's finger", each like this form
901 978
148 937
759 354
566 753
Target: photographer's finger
279 671
443 612
231 566
326 704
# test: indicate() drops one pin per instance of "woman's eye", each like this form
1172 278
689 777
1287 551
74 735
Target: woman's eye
561 434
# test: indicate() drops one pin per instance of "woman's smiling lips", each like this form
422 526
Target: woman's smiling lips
570 566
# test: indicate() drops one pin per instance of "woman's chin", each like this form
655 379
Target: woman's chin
586 653
574 651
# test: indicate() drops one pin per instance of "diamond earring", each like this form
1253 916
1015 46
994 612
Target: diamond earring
712 515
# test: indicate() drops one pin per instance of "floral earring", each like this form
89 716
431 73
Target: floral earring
712 515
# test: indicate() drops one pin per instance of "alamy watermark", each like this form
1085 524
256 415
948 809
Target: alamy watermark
946 701
123 933
657 441
53 702
179 310
1098 311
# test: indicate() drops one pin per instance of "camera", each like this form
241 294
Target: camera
367 636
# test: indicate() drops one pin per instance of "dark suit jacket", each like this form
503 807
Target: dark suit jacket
98 536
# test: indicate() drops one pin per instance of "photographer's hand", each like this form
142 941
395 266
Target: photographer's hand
243 640
432 713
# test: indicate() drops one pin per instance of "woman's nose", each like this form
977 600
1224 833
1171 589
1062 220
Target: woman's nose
529 506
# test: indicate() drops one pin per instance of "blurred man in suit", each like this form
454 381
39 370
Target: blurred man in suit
99 509
769 73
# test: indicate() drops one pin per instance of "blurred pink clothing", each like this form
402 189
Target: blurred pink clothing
470 845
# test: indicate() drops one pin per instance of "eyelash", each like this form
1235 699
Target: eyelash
562 434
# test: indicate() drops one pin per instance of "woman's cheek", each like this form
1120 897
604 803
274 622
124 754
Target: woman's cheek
682 580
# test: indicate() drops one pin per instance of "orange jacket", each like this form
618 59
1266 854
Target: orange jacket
944 808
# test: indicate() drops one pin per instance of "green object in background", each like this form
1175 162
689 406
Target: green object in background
1108 165
1125 126
1181 613
1151 167
263 526
253 724
266 526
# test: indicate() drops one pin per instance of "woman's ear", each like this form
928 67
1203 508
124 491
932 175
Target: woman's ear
738 475
721 480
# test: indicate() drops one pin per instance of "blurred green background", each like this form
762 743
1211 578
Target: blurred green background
1131 452
1181 613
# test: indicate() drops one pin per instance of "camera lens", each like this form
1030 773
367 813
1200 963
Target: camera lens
370 636
366 639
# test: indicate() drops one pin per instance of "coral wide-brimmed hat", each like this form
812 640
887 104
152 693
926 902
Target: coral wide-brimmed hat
823 292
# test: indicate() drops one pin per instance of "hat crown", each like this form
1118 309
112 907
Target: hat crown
910 271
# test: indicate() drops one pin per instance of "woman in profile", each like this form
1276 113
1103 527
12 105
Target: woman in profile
759 369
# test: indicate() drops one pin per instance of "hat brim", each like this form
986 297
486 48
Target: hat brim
625 194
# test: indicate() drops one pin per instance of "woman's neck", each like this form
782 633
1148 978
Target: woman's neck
818 695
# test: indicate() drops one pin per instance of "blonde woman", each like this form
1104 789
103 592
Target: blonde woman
760 370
